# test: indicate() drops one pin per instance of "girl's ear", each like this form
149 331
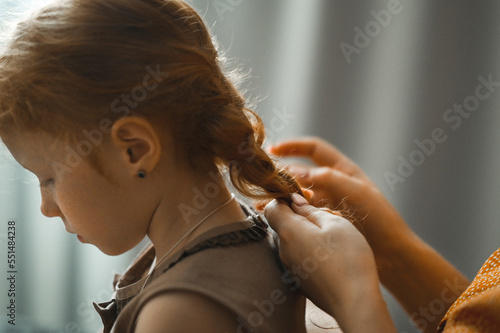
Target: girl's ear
138 142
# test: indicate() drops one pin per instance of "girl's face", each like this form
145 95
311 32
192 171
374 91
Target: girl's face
109 212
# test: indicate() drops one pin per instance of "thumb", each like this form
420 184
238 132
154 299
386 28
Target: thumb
318 216
278 215
285 221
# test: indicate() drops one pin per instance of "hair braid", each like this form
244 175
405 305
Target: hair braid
260 170
251 170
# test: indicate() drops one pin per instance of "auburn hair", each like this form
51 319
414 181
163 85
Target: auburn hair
79 65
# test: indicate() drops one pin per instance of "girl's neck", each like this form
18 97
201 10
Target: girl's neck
192 212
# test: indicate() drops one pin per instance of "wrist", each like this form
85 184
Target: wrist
392 248
364 311
398 256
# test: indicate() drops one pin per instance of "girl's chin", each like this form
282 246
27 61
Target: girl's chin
109 248
81 239
110 251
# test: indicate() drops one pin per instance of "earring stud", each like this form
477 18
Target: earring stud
141 174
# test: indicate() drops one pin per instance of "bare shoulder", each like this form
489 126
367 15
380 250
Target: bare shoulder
183 311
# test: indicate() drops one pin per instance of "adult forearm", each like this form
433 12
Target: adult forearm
366 312
424 283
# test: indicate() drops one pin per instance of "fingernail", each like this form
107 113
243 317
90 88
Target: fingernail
298 199
308 194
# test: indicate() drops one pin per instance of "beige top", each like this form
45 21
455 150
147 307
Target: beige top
235 265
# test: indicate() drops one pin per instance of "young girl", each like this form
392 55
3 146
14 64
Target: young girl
122 110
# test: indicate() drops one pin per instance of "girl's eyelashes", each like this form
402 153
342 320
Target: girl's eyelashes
47 182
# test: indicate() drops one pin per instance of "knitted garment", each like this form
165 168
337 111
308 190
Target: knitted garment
478 308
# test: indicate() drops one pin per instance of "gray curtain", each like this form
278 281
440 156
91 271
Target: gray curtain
407 89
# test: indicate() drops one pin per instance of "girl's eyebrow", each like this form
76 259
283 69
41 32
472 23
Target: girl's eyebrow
31 167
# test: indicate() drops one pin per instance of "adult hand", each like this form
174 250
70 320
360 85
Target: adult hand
408 267
334 263
340 184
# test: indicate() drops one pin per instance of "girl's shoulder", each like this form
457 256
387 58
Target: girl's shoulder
184 311
235 267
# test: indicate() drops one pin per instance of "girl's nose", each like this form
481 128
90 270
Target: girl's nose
49 207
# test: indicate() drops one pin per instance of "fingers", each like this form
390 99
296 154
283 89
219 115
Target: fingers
327 184
319 151
302 173
330 211
308 194
319 216
283 220
301 216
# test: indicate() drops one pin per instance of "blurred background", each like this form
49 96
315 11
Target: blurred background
410 90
